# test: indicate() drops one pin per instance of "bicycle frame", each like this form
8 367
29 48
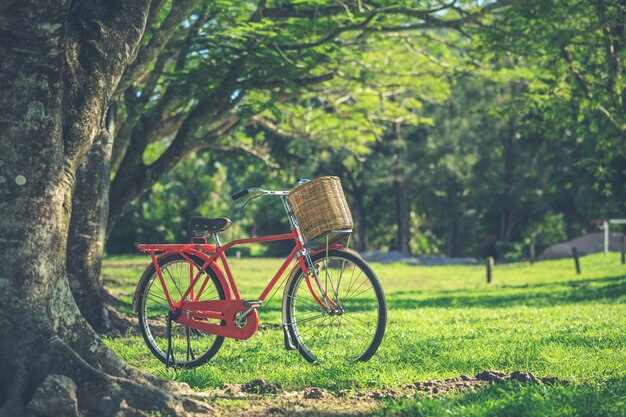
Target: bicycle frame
239 318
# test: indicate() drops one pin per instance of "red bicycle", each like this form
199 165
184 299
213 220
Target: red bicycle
187 300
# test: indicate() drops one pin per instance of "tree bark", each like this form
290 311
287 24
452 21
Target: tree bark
454 216
402 222
361 221
509 155
60 63
87 232
357 194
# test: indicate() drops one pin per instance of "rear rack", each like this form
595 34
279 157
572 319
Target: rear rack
178 247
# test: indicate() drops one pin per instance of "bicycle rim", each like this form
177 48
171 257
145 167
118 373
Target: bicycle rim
356 330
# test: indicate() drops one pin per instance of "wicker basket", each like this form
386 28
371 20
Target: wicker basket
321 209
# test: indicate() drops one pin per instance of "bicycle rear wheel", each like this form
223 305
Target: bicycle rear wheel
189 347
352 334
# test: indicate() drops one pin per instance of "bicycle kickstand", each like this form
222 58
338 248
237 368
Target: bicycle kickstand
170 353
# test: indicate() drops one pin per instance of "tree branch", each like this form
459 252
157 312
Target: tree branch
164 128
298 82
95 35
184 49
331 36
584 85
149 52
277 130
155 6
264 157
289 11
578 76
427 15
153 79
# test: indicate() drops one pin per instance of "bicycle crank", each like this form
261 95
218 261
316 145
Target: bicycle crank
237 319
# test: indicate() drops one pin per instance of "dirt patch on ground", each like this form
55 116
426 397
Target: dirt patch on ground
464 382
261 386
234 400
263 398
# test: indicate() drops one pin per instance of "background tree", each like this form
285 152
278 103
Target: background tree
578 50
506 156
203 70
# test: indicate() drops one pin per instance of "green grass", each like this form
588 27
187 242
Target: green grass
605 399
443 322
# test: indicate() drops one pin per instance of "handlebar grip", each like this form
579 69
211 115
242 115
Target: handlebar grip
240 194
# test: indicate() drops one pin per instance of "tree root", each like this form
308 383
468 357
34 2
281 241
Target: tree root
61 383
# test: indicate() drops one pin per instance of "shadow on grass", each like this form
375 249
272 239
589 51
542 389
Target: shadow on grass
552 294
605 399
608 289
571 283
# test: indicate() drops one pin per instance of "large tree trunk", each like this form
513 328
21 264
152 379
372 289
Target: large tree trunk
87 233
52 103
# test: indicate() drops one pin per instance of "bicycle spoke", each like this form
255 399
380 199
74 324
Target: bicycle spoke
329 278
303 318
328 331
207 296
351 280
357 305
300 321
155 298
306 301
311 327
363 323
354 307
355 281
362 292
310 341
353 323
189 347
351 333
358 314
174 281
343 265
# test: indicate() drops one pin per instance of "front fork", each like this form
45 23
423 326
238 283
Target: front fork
325 301
312 279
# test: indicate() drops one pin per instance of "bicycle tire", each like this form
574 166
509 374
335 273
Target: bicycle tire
153 311
358 331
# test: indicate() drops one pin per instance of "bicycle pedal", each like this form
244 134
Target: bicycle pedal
252 303
288 343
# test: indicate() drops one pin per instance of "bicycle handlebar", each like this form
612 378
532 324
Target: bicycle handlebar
240 194
263 191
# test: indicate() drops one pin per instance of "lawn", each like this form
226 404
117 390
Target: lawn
443 322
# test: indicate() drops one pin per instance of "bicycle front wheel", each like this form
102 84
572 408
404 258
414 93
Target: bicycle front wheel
354 331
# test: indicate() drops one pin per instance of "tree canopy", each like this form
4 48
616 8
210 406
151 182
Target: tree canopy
470 138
